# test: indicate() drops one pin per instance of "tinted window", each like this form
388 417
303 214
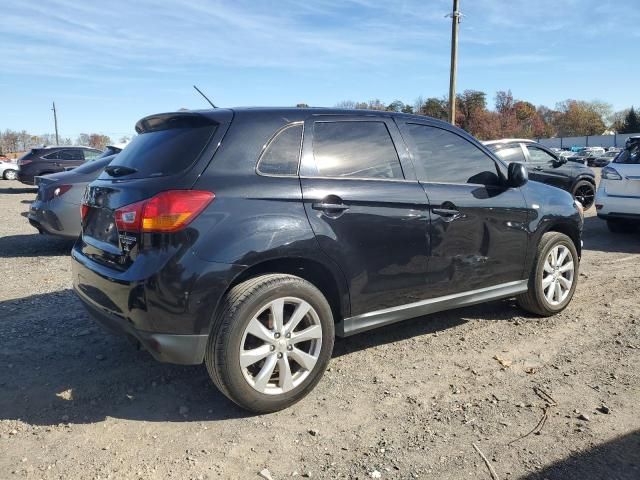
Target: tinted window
164 152
508 153
537 155
282 153
441 156
631 154
355 149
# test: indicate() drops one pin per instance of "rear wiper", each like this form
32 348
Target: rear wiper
119 170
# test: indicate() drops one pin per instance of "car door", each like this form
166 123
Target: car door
545 167
478 225
368 212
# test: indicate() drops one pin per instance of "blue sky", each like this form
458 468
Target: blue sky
107 64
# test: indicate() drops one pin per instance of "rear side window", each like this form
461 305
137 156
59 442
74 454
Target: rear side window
164 152
508 153
355 149
631 154
441 156
65 155
91 154
282 154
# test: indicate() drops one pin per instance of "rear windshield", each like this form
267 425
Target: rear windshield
631 154
163 152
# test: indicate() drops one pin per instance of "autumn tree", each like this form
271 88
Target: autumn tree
577 118
99 141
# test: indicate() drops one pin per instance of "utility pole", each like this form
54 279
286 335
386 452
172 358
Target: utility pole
55 121
455 20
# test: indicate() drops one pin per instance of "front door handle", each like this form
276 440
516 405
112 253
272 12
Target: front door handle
446 212
336 207
538 169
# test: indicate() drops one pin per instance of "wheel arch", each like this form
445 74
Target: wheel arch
570 230
329 282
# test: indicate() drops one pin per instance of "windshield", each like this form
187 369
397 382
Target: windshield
631 154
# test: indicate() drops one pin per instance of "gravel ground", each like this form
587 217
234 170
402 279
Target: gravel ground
406 401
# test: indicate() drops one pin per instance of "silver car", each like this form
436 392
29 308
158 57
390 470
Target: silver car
56 210
8 170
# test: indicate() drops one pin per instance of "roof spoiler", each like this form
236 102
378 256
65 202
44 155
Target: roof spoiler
167 121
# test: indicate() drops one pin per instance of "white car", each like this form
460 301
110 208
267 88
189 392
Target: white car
8 170
618 196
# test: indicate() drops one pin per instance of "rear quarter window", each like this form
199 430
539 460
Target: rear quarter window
282 154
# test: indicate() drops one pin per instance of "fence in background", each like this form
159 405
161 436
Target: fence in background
616 140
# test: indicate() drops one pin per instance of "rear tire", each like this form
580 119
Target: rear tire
621 226
10 174
554 276
585 192
271 342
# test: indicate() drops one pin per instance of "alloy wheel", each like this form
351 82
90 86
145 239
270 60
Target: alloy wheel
585 194
10 175
558 275
280 346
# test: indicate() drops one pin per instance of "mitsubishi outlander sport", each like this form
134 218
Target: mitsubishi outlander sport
248 239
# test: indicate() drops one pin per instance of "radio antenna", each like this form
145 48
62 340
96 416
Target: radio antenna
205 97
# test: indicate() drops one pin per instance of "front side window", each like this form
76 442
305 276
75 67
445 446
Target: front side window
282 154
90 155
631 154
441 156
537 155
509 153
357 149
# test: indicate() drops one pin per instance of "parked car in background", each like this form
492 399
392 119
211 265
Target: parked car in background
8 169
46 160
110 150
604 159
545 166
56 209
309 223
618 197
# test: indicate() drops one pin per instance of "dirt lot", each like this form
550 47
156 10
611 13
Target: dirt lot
406 401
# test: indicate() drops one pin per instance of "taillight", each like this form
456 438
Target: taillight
168 211
84 209
52 193
24 162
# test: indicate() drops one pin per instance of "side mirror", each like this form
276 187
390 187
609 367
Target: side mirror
561 160
517 175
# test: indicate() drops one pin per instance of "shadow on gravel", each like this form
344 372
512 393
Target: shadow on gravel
618 459
19 190
59 366
597 237
34 245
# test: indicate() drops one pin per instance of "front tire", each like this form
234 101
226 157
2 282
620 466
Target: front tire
554 276
271 342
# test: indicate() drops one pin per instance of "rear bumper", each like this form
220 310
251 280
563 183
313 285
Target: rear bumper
25 178
164 347
612 206
167 304
47 221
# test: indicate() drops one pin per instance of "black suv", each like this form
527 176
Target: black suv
42 161
545 166
248 238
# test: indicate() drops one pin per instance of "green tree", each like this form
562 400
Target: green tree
631 122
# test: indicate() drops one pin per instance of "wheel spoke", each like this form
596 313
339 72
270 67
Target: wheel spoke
277 312
546 281
262 379
567 266
558 292
562 257
301 310
547 266
286 380
249 357
313 332
554 256
258 330
303 359
566 283
549 293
